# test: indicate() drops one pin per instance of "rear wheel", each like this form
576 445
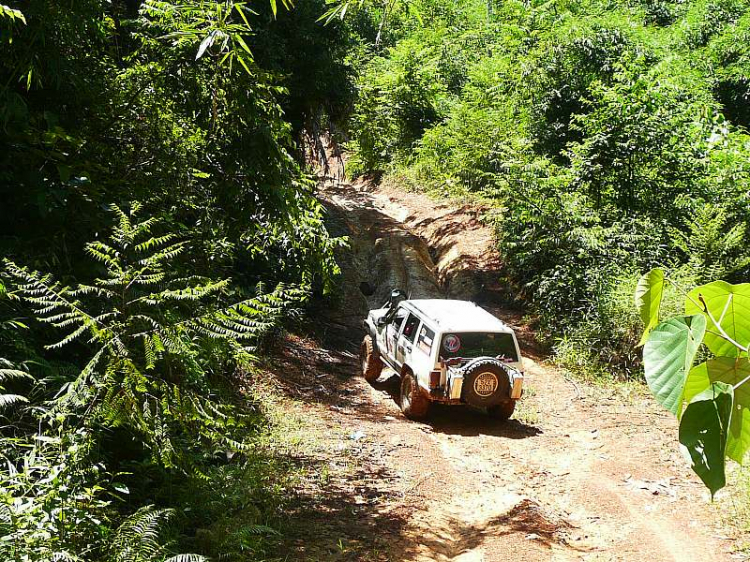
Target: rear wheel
486 383
369 360
502 411
414 404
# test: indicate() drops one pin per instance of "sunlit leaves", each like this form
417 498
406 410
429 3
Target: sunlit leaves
11 13
716 422
668 356
729 306
217 28
648 295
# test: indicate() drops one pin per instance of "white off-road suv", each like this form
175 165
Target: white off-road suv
446 351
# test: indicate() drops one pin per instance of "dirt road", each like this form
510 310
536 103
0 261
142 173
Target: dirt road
580 473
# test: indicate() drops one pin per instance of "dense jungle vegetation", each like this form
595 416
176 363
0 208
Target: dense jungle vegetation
609 136
158 226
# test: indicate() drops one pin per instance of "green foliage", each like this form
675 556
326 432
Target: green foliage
398 99
194 109
608 138
716 421
668 356
703 433
648 295
52 503
713 248
151 333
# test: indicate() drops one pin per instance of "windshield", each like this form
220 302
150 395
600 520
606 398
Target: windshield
479 344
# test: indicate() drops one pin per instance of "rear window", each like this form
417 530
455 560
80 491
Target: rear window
478 344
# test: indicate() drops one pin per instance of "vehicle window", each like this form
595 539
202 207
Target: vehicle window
426 337
410 327
398 318
479 344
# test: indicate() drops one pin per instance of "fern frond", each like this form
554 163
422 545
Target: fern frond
187 558
47 298
78 392
70 338
13 374
153 243
187 293
8 400
166 254
138 538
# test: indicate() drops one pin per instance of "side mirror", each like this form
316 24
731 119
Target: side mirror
381 322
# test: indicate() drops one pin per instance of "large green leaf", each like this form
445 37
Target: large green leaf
648 294
668 356
728 303
731 371
703 433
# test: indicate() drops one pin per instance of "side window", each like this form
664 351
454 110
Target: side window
398 318
410 327
426 337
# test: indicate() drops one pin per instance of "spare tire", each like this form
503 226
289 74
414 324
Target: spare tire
486 383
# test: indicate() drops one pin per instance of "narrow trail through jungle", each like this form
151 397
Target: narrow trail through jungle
580 472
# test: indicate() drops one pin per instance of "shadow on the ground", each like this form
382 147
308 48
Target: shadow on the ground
460 420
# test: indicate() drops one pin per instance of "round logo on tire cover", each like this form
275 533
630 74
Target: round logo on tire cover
451 343
485 384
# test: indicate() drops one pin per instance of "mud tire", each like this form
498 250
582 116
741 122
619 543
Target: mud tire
369 360
476 368
414 404
502 411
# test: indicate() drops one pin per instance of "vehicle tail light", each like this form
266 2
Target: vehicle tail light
435 379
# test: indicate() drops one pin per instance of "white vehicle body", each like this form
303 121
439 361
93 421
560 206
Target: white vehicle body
425 336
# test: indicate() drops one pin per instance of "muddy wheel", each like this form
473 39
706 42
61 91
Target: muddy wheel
414 404
369 360
502 411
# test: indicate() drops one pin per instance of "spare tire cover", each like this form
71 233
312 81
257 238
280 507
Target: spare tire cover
486 382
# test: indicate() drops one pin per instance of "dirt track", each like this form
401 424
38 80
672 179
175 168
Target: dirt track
581 473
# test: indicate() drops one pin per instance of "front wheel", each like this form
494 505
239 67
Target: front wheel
414 404
502 411
369 360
